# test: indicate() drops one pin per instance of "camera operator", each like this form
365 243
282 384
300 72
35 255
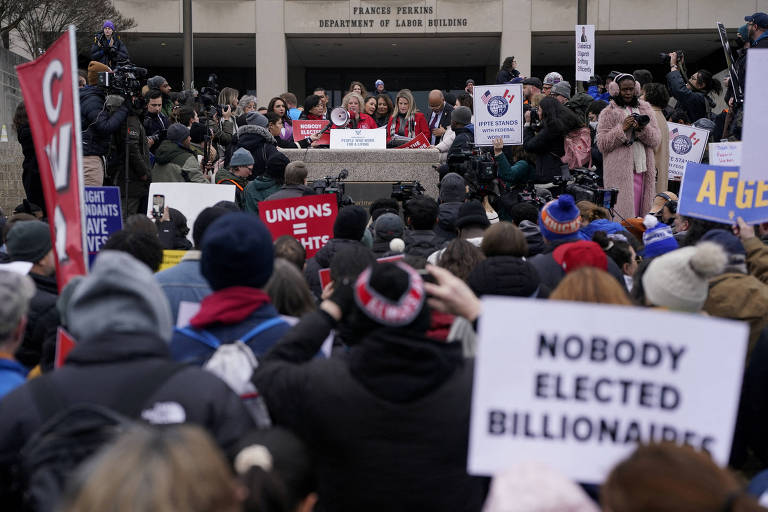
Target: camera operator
627 134
155 122
460 118
545 139
136 143
692 97
98 125
107 47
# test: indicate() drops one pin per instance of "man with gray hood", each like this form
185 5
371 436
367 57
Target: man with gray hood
453 193
121 322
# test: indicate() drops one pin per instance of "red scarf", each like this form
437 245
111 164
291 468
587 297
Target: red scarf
229 306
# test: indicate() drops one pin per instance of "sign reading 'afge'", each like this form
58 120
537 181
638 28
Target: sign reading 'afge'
498 113
579 394
307 219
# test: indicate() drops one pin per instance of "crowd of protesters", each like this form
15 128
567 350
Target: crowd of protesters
281 394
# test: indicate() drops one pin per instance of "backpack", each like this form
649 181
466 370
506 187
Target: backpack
73 433
578 148
234 363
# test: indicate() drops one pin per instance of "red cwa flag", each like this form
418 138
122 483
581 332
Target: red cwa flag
49 85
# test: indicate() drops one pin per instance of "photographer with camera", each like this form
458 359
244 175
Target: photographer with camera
546 138
155 122
627 135
131 138
692 96
108 48
98 124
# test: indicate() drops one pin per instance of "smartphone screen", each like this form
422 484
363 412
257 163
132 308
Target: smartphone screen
158 205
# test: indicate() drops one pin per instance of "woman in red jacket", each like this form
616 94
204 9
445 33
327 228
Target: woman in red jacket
353 102
406 120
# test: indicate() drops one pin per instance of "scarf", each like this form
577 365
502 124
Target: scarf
640 164
399 124
229 306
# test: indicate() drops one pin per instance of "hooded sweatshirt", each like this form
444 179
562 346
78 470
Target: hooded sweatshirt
121 322
173 161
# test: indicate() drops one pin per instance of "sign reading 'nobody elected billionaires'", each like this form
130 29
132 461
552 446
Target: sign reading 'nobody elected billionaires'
580 393
308 219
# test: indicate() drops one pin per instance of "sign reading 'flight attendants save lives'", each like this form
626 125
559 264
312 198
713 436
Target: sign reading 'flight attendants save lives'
308 219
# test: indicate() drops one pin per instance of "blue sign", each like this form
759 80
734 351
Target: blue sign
715 193
102 217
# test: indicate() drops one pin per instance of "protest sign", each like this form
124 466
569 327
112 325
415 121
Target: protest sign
418 142
686 144
719 194
725 153
171 258
49 85
498 113
755 114
308 219
305 128
102 217
585 52
734 83
64 345
359 139
578 394
190 198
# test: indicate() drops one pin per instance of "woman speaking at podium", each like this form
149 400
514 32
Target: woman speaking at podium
406 120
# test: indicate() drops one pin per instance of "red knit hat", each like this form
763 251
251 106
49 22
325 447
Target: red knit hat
580 254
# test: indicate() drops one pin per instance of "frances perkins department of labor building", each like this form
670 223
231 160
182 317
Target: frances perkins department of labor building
271 46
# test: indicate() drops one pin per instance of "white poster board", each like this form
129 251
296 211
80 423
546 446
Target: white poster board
686 144
190 198
578 394
725 153
753 165
585 52
498 113
359 138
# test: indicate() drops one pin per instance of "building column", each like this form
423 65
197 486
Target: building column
271 52
516 33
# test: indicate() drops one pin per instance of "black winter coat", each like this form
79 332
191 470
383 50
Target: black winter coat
551 273
420 242
291 191
102 52
504 76
548 146
42 317
445 230
463 141
260 143
694 104
322 259
30 174
154 124
388 424
97 123
103 372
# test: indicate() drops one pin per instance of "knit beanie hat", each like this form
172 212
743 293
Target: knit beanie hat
657 238
255 119
562 88
108 24
504 275
350 223
583 253
560 218
472 213
94 68
241 157
155 82
452 188
29 241
553 78
237 251
679 279
388 226
737 255
462 115
197 133
177 133
276 166
390 294
533 487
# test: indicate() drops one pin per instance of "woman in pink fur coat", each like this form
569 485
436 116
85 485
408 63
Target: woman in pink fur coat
628 162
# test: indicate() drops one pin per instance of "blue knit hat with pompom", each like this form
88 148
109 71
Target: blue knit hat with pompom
560 219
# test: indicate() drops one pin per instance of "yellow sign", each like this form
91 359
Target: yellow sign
171 258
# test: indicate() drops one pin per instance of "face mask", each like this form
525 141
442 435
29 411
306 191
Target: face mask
593 125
